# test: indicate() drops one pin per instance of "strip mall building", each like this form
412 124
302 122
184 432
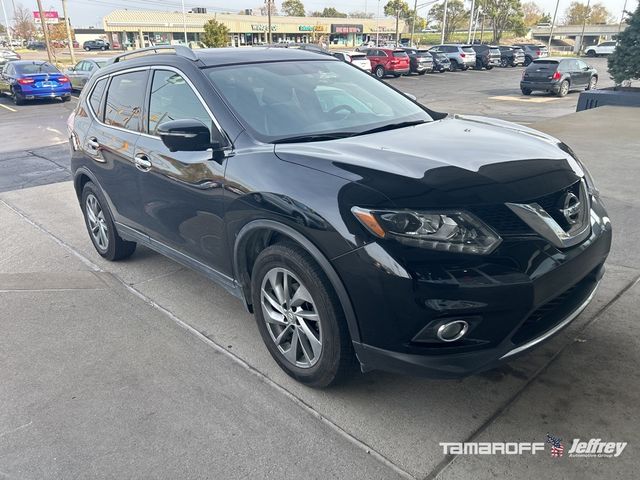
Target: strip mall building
131 28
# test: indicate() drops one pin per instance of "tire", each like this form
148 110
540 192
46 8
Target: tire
18 99
379 71
87 49
526 91
66 99
103 48
454 65
422 72
591 53
102 230
504 63
397 75
564 88
489 67
593 81
333 358
527 60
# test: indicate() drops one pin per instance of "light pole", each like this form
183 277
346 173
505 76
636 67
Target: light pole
473 6
45 30
269 40
584 24
68 25
444 19
378 26
413 22
184 24
624 9
553 24
6 19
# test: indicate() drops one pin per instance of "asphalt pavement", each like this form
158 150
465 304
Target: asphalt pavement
145 369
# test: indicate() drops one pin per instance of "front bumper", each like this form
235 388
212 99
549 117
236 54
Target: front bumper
514 299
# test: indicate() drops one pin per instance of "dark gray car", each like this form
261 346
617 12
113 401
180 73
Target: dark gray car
533 51
80 74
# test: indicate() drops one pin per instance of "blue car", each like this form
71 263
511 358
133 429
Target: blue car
27 80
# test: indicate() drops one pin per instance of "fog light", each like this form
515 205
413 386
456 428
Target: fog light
452 331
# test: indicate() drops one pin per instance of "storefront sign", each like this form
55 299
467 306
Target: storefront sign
50 17
263 27
343 28
311 28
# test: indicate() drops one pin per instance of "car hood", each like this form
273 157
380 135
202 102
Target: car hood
456 161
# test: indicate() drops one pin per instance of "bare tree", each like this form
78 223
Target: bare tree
23 24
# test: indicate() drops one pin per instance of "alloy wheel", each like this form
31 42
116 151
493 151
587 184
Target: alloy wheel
291 317
97 223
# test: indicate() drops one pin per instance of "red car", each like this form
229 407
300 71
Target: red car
388 61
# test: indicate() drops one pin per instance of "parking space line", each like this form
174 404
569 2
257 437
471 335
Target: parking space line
507 98
8 108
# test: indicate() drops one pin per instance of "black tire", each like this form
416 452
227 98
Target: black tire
504 62
489 67
564 88
591 53
103 48
526 91
66 99
422 72
593 81
87 49
18 99
527 60
336 358
379 71
116 248
454 65
397 75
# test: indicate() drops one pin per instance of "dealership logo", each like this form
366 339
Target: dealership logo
557 449
491 448
595 447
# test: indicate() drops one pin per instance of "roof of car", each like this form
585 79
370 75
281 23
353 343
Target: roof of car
231 56
551 59
28 62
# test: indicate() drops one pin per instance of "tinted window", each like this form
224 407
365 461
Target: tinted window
35 67
124 100
287 99
400 54
96 97
173 99
582 65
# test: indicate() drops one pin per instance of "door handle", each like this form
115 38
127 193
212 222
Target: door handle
142 162
93 143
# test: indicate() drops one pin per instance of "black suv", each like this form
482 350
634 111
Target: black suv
487 56
95 45
420 61
558 75
317 195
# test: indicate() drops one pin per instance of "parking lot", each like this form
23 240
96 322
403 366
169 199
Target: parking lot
145 369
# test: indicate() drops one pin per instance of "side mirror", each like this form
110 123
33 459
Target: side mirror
189 135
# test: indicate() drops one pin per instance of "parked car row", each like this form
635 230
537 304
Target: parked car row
392 61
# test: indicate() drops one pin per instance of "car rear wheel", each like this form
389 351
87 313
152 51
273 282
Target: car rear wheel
299 316
591 53
564 88
18 99
526 91
102 230
592 83
379 71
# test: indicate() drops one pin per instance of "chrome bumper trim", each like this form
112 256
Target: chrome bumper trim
554 330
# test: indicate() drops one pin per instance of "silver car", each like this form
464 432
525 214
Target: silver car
461 56
80 74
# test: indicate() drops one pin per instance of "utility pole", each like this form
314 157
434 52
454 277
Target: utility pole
444 19
378 26
269 38
473 6
584 24
624 9
43 23
68 25
553 24
413 23
6 19
184 25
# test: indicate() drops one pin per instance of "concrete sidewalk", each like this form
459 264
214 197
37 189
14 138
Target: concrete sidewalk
118 341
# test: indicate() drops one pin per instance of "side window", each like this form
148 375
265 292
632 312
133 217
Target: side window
582 65
173 99
96 97
124 100
84 66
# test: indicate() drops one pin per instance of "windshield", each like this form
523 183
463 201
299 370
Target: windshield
284 100
34 68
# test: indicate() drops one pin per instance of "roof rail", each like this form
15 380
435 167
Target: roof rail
180 50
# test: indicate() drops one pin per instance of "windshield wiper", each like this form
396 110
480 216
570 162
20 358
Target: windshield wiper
314 137
392 126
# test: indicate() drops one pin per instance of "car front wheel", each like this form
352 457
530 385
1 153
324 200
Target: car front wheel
299 316
100 226
526 91
591 53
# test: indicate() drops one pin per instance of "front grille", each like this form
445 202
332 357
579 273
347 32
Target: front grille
505 222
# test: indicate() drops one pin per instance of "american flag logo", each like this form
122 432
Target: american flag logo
557 449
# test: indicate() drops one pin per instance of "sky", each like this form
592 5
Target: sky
86 13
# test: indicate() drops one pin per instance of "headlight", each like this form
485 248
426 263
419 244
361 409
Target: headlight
447 231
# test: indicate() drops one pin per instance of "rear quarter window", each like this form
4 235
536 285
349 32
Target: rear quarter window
95 99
